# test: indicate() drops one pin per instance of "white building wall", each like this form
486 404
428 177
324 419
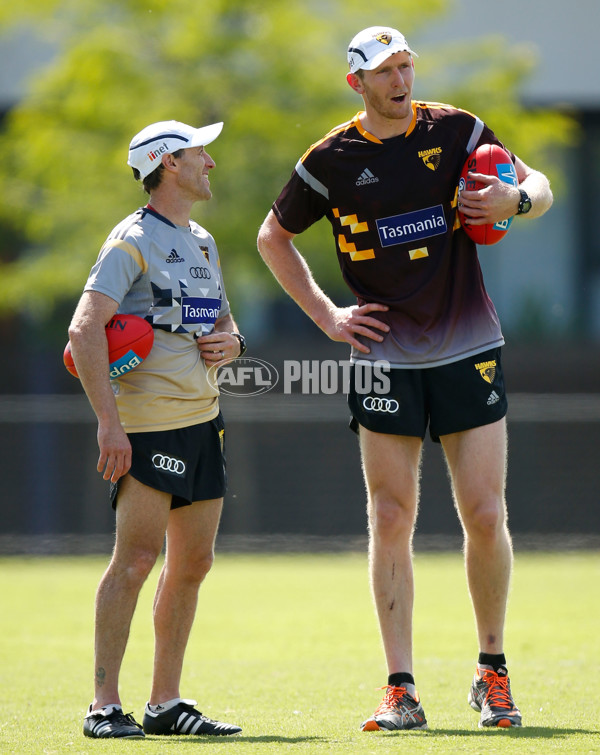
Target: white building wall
562 35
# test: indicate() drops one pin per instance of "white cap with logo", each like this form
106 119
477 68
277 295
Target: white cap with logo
163 138
370 47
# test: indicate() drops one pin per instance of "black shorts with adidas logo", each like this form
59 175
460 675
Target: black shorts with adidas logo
449 399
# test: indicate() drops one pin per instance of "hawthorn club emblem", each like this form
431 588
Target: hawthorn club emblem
385 38
431 157
487 370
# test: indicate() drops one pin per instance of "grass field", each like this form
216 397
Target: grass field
287 646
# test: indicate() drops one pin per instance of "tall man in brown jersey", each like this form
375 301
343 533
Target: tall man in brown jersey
387 182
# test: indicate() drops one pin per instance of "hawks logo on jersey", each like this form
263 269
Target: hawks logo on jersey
431 157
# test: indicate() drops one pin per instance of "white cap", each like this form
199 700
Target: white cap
370 47
163 138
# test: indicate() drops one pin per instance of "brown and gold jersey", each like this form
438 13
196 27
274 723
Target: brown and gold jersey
392 208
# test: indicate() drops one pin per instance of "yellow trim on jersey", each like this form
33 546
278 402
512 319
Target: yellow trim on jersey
130 249
413 121
454 205
367 135
362 130
441 106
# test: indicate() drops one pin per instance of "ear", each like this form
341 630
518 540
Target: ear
168 162
354 81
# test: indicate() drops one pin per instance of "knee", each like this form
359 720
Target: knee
193 570
391 518
485 520
134 567
201 565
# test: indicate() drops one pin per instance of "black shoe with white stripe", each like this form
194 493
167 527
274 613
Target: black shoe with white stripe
183 718
110 721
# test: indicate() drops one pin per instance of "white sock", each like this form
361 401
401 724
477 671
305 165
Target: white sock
106 709
162 707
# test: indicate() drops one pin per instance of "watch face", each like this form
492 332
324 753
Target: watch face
524 204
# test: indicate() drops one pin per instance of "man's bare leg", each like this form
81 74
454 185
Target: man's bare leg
191 536
142 515
391 470
477 463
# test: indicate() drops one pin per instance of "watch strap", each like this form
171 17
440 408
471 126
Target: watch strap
242 342
524 203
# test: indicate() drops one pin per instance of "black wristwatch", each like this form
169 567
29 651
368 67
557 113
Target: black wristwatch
242 341
524 203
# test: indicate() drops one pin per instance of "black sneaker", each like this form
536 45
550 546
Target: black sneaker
491 696
110 721
183 718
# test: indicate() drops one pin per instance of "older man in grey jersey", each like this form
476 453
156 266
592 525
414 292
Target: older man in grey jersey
164 409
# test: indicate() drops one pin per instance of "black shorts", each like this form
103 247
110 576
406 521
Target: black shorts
451 398
188 462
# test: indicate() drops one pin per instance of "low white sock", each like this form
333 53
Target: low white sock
108 709
162 707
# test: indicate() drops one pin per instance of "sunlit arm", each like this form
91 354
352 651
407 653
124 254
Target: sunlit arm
276 247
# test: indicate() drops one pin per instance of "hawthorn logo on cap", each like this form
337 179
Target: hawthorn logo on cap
370 47
384 38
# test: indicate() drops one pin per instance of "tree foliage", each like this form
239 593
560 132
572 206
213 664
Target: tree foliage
272 71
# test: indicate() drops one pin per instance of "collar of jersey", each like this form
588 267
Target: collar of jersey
367 135
157 215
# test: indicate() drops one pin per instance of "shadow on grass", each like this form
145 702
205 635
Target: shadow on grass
258 739
527 732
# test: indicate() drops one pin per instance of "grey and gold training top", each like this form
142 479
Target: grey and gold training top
171 276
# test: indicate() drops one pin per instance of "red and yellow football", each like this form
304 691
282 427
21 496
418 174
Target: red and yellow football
491 160
130 339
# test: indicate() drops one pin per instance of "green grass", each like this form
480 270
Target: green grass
287 646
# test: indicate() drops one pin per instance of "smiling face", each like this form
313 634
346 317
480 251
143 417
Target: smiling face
387 93
192 174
